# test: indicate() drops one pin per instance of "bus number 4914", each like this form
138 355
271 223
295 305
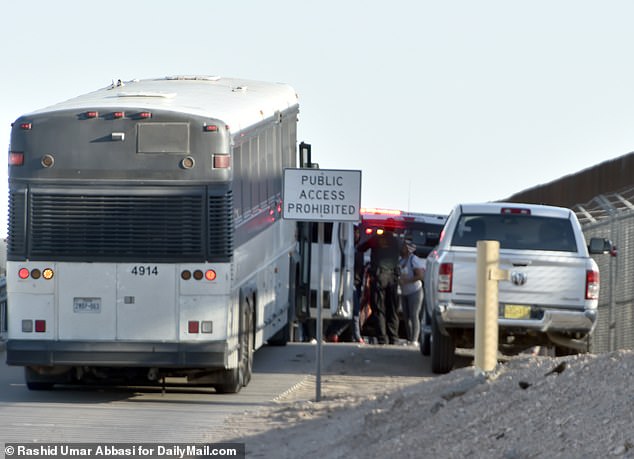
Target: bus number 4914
145 270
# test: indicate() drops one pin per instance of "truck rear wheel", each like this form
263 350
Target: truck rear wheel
443 350
425 334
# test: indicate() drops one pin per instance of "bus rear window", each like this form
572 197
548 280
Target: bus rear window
520 232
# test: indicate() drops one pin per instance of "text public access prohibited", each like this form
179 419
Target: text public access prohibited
322 195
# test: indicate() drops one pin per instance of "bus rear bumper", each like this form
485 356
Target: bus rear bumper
117 354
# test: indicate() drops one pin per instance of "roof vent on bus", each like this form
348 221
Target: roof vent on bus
194 77
162 95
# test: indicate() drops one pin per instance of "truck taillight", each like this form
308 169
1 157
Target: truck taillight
445 277
515 210
592 285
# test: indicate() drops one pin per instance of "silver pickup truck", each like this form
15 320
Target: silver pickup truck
551 300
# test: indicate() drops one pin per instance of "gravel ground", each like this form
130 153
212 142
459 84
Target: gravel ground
532 407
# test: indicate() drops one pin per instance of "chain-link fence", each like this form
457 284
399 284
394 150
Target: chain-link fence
611 216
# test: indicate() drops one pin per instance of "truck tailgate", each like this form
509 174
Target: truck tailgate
556 279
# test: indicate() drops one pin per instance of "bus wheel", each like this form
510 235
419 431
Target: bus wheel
247 338
36 382
231 384
235 378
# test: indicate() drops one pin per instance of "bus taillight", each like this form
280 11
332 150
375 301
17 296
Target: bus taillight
35 273
206 326
91 115
222 161
16 158
209 274
26 126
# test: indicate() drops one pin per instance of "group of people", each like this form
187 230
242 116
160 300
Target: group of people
393 278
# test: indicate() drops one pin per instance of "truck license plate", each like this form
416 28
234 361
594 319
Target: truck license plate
86 304
517 311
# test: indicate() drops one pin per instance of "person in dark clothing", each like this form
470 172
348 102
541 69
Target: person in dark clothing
359 270
384 258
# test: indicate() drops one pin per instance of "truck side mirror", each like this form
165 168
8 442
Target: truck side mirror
601 246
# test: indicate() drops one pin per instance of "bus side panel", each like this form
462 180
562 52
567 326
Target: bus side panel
268 257
94 282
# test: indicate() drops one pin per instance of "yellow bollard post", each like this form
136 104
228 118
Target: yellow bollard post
487 309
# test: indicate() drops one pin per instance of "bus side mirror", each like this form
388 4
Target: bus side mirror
601 246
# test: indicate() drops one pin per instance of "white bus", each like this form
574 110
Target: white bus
145 232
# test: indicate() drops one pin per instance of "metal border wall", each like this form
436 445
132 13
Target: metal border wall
611 216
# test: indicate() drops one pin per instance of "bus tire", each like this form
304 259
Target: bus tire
249 340
36 382
443 350
236 378
232 382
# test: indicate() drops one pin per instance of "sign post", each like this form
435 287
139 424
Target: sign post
321 195
320 322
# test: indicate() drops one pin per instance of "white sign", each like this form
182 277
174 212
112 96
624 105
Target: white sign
322 195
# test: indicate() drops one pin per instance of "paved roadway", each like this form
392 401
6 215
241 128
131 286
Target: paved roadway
72 414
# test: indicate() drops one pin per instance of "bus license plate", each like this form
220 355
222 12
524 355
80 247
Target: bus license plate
86 304
517 311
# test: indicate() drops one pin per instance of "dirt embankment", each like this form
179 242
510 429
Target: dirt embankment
386 404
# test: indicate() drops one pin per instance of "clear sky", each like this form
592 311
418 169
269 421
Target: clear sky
437 102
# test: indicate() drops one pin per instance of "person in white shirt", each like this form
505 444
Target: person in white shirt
412 272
